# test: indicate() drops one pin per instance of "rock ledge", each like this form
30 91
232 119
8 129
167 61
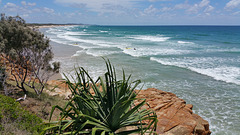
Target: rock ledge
175 117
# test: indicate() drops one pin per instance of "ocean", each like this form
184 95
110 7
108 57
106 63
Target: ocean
200 64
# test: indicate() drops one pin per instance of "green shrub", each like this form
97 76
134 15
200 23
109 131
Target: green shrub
109 109
11 112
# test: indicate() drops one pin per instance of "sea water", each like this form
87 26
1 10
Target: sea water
200 64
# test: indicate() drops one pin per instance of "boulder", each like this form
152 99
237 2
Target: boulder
175 117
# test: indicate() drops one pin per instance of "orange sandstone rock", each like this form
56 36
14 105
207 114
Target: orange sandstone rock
175 117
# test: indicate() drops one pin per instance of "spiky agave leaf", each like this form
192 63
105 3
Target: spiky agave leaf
107 110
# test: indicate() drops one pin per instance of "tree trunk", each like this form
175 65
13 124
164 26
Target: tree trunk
25 93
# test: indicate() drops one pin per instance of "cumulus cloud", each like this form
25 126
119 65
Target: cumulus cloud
182 6
165 9
204 3
24 3
48 10
232 4
209 9
98 5
11 7
113 9
193 9
150 10
31 4
25 9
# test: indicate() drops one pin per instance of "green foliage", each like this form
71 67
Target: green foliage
28 52
107 109
11 112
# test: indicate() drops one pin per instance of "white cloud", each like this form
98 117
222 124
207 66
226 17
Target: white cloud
48 10
199 6
209 9
232 4
11 7
21 10
150 10
97 5
204 3
193 9
182 6
236 13
165 9
24 3
114 9
31 4
25 15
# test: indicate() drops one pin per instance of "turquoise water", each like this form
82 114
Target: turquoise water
200 64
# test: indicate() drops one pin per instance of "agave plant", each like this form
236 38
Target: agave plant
103 107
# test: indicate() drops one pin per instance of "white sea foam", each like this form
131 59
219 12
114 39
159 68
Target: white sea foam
93 42
184 42
97 53
78 53
55 31
76 33
103 31
144 51
205 66
230 50
57 40
158 38
227 74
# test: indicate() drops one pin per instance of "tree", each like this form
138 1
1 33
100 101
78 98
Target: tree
27 54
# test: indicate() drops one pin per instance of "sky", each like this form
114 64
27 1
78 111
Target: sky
126 12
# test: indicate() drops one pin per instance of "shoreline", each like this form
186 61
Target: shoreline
40 26
56 77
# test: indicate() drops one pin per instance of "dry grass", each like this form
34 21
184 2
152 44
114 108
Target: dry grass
9 128
41 105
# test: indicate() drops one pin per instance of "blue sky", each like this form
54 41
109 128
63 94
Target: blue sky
126 12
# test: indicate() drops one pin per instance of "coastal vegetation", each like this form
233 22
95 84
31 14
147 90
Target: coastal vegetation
15 120
103 107
26 53
106 106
